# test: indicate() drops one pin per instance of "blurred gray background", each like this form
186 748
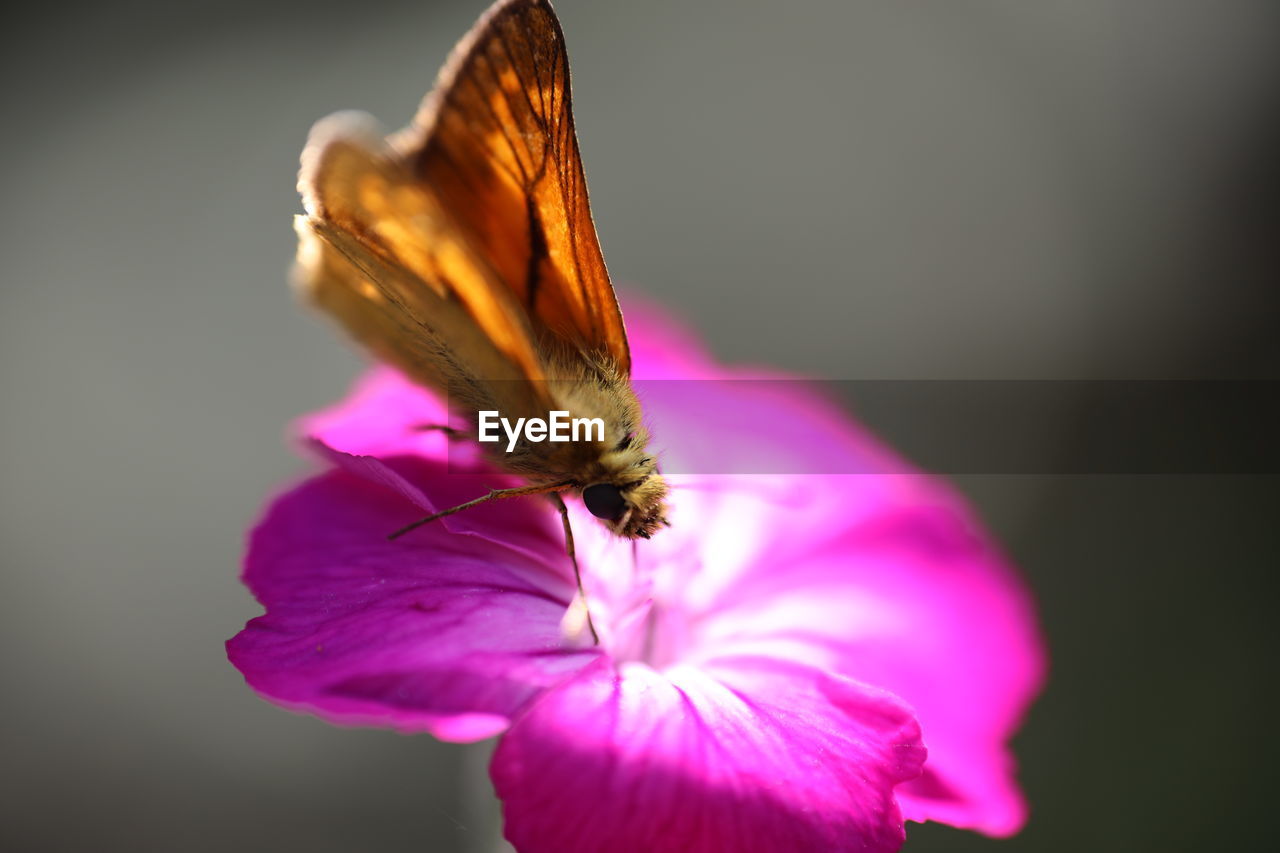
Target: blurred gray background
857 190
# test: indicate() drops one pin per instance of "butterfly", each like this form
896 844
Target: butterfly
462 251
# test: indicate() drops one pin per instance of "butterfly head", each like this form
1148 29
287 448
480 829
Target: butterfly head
633 509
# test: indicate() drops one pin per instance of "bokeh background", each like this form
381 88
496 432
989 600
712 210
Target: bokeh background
857 190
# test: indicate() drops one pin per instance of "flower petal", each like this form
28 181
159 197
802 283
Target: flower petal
661 347
916 601
381 415
438 631
876 572
746 756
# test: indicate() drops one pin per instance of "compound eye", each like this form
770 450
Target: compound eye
604 501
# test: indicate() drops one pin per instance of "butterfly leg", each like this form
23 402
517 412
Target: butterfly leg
577 575
494 494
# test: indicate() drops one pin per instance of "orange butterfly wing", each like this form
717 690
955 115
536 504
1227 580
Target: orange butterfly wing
379 253
495 143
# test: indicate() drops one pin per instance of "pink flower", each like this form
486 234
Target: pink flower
771 667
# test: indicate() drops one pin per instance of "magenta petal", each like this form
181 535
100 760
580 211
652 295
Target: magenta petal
743 756
380 417
882 576
917 602
661 347
440 632
957 638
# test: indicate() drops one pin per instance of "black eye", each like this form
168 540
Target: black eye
604 501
